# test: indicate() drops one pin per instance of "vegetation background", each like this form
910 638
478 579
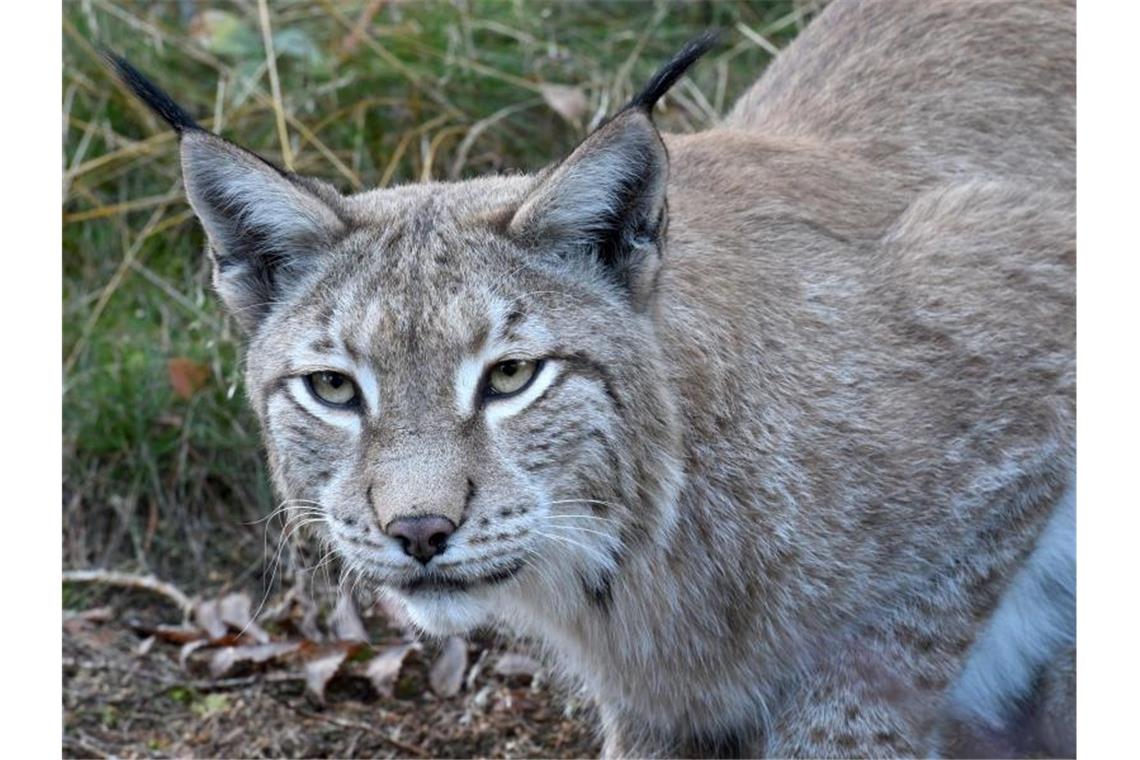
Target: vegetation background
163 471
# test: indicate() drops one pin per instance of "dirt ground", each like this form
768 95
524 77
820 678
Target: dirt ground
127 694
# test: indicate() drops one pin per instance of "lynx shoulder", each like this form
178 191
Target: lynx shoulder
765 433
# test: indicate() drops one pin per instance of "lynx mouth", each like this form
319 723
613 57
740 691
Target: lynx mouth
433 583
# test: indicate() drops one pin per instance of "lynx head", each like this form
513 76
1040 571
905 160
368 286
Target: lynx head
461 381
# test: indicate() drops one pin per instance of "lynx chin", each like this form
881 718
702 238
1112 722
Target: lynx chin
764 434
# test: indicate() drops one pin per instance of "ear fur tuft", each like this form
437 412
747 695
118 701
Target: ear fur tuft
606 200
668 74
266 227
150 94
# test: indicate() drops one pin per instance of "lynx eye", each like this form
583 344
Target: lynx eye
333 388
510 377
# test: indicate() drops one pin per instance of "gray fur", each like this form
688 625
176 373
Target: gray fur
789 448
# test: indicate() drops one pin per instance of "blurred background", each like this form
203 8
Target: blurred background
163 472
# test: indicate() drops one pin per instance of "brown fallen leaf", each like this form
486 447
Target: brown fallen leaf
78 621
188 649
176 634
223 660
208 617
186 376
515 664
320 670
235 610
568 102
345 623
384 669
446 675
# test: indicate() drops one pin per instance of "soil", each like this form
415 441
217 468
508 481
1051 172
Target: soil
127 695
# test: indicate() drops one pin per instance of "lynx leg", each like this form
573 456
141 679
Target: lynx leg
626 737
841 712
1057 707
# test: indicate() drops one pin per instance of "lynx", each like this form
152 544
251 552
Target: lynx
764 435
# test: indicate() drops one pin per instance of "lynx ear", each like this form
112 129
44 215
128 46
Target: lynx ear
607 200
265 227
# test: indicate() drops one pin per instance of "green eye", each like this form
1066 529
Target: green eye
510 377
332 388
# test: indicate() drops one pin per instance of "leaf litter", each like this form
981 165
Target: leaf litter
247 685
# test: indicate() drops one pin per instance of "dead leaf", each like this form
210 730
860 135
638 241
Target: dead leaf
345 623
321 669
515 664
568 102
145 646
384 669
186 376
223 660
74 622
208 617
173 634
188 649
235 610
446 674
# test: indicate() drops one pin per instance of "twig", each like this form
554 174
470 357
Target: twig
387 57
481 126
361 28
274 83
83 742
129 580
120 208
410 749
757 39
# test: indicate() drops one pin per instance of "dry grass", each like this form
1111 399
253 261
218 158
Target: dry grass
362 93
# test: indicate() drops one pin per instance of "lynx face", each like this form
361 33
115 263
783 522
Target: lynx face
492 392
460 383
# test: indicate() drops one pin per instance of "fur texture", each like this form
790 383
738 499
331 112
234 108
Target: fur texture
803 398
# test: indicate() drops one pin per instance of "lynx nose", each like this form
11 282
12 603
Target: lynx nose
423 536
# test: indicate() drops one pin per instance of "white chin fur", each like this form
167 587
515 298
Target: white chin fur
445 614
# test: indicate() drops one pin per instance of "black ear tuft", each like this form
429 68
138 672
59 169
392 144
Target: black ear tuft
668 74
150 93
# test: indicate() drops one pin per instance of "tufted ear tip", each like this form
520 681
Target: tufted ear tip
673 69
607 199
149 93
263 224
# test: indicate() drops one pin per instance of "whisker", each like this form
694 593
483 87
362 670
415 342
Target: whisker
565 516
583 530
585 501
288 532
571 542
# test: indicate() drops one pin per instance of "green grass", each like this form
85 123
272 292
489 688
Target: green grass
430 90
